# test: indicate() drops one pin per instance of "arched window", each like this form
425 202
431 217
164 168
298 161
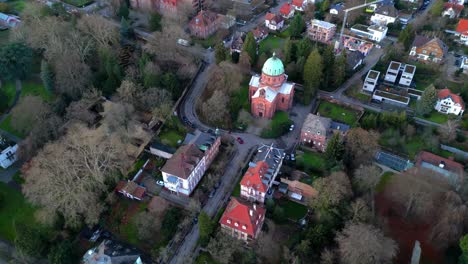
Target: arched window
282 99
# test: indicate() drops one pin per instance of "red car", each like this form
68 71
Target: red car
240 140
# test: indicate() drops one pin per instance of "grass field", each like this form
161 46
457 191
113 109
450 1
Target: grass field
279 126
311 162
10 91
269 44
338 113
6 126
36 89
292 210
437 117
13 208
170 138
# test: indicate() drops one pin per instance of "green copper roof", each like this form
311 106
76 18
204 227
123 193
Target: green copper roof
273 66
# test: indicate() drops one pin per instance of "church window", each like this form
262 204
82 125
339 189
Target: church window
282 100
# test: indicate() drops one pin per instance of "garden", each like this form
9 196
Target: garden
172 131
270 43
338 113
310 162
279 126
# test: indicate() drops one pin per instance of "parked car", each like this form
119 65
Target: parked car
240 140
212 193
216 186
195 220
185 119
160 183
270 191
291 128
95 235
293 157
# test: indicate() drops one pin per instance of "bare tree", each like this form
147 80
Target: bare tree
361 146
129 92
68 177
359 211
214 109
332 190
365 244
448 131
366 178
222 246
72 74
327 257
100 29
148 225
28 113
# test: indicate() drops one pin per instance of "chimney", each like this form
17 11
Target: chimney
251 212
442 164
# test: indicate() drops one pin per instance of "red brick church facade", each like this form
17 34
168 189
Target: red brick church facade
270 91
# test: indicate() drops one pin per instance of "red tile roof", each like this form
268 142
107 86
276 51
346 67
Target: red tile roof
444 93
462 26
254 175
269 16
243 216
204 19
298 3
285 9
182 163
435 160
455 6
131 188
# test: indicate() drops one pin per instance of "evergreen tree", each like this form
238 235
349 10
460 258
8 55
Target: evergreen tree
123 11
303 48
47 76
297 26
339 70
328 67
437 8
334 151
324 6
406 36
15 61
3 103
250 46
220 52
61 253
427 102
205 226
463 259
288 51
313 70
126 31
155 22
29 240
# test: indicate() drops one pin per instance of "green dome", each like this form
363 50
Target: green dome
273 66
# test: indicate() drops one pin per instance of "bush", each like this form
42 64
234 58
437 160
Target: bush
279 126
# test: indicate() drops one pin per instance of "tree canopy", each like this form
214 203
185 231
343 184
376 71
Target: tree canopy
15 61
313 71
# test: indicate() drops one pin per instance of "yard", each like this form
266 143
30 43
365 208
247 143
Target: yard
269 44
338 113
279 126
35 88
10 91
293 210
6 126
437 117
310 162
13 208
172 132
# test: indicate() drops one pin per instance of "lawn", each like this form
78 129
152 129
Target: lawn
292 210
79 3
279 126
13 208
17 6
338 113
36 89
6 126
437 117
269 44
10 91
384 180
311 162
171 137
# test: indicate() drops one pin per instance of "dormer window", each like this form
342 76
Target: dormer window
244 227
228 221
236 224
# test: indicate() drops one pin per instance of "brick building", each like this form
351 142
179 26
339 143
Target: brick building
167 6
270 91
317 130
321 31
204 24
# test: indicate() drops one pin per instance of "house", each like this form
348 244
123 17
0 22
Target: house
204 24
261 173
371 80
111 251
273 21
161 150
393 161
458 2
375 32
321 31
464 63
336 8
287 10
300 5
317 130
184 170
131 190
449 103
7 152
170 7
452 10
260 33
392 72
242 220
391 96
399 73
404 18
271 91
452 171
299 191
384 15
407 75
353 60
9 21
237 42
425 49
354 44
462 30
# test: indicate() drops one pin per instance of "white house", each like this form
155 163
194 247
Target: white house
462 30
449 103
384 15
274 22
375 32
452 10
7 153
371 81
336 8
464 63
300 5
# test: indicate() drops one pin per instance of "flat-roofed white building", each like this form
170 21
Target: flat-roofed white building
407 75
375 32
371 81
392 72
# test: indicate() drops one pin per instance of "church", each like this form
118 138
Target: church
270 91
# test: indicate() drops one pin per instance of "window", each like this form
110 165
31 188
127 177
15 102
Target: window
236 224
424 51
228 221
244 227
282 100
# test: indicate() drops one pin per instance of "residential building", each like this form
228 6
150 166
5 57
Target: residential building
371 80
317 130
458 2
407 75
7 152
452 10
392 96
110 252
464 63
260 33
9 21
393 161
452 171
131 190
237 42
287 10
184 170
299 191
354 44
261 173
273 21
300 5
321 31
375 32
384 15
353 60
161 150
449 103
462 30
404 18
242 220
204 24
425 49
170 7
270 91
392 72
336 8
